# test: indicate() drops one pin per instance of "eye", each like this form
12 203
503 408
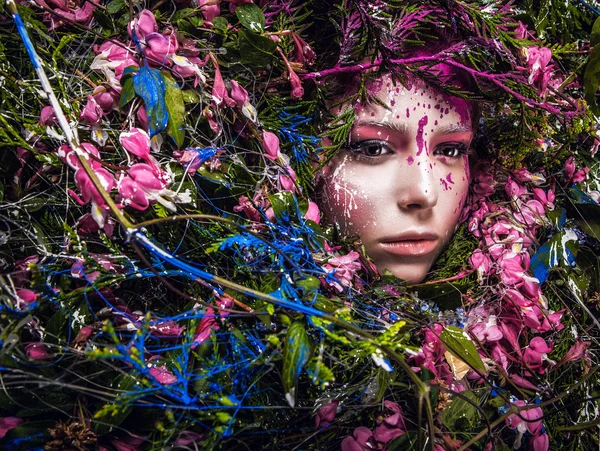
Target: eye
370 148
451 150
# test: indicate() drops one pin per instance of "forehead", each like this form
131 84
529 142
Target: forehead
405 105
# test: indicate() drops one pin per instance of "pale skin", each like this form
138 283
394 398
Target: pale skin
402 182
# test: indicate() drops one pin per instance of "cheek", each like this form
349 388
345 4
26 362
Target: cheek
347 198
453 188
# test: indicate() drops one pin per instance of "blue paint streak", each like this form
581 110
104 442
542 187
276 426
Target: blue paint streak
26 40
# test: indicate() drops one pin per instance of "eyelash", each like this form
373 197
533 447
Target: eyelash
359 149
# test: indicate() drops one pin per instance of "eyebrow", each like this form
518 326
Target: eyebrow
402 127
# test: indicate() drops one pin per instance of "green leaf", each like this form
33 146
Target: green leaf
319 373
595 35
461 414
176 109
591 77
406 442
255 49
251 17
128 92
296 353
184 13
220 24
458 343
283 203
115 6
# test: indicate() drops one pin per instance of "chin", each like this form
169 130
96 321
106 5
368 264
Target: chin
410 273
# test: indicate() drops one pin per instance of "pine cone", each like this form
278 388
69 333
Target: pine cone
71 437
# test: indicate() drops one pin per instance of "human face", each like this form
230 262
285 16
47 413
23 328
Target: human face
402 182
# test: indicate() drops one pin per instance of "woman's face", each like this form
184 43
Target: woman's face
402 182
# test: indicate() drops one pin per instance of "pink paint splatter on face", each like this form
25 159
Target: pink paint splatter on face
407 112
420 141
436 122
444 184
449 178
410 160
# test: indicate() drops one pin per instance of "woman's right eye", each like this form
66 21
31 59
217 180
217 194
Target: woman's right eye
370 148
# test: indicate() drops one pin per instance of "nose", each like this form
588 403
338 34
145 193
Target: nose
416 190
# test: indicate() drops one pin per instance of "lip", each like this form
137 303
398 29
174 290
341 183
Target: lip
411 244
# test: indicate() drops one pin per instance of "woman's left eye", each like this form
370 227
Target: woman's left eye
451 150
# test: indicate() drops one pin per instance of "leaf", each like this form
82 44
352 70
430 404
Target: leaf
251 17
115 6
296 353
149 85
461 414
319 373
585 212
591 77
406 442
595 35
458 343
283 204
175 108
255 49
184 13
127 93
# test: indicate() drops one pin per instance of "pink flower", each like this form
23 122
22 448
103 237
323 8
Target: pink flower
390 425
210 9
303 53
144 184
106 97
540 70
576 352
513 190
544 198
163 375
219 91
142 117
313 212
540 442
83 335
8 423
536 353
92 113
240 96
484 325
90 193
297 90
159 47
341 270
36 351
480 262
204 328
27 296
580 175
287 180
137 142
357 442
271 145
47 116
326 414
143 25
533 425
569 169
521 31
186 438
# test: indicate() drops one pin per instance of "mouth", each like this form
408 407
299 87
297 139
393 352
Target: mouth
410 244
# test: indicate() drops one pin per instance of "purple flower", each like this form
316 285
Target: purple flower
358 440
163 375
271 145
326 414
143 25
36 351
47 116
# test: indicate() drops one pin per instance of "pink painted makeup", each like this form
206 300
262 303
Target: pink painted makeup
404 213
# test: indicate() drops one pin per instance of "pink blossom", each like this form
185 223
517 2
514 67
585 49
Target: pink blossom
525 421
137 142
142 117
358 440
166 329
297 90
326 414
287 180
36 351
92 113
313 213
540 70
219 91
204 328
513 189
480 262
163 375
536 353
186 438
80 12
90 193
342 269
580 175
8 423
106 97
544 198
521 31
83 335
158 47
210 9
576 352
540 442
522 382
47 116
143 25
27 296
271 145
569 169
484 325
240 96
145 184
303 53
391 425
